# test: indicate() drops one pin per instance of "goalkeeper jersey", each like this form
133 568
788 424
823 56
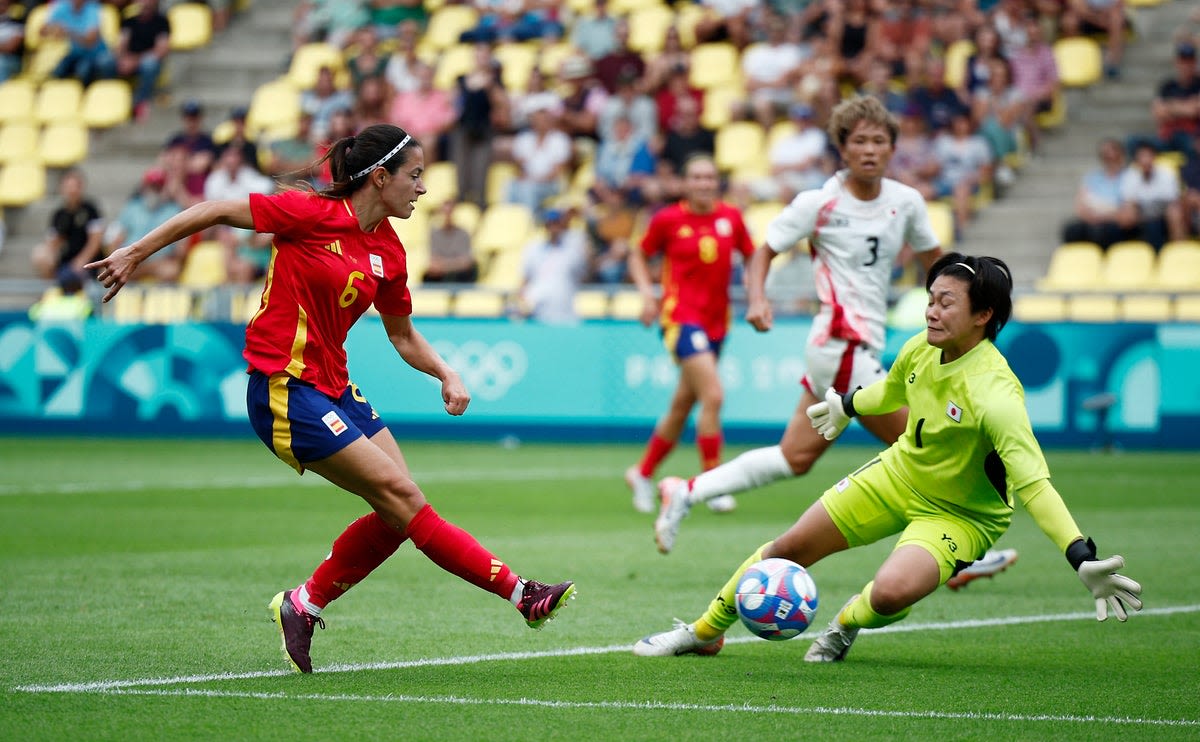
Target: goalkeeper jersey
968 445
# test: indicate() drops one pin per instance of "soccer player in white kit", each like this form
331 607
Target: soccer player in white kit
856 225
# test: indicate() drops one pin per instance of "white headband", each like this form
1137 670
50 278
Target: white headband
383 159
962 264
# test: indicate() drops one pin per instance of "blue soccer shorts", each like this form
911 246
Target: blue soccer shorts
684 341
300 424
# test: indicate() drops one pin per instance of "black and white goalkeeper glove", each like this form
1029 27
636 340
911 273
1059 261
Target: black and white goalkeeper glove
1111 590
830 418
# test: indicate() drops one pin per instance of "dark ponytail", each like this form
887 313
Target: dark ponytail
351 155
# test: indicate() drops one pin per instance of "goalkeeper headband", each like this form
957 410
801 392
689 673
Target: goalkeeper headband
385 158
962 264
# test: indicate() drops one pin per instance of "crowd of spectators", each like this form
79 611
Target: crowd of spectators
624 122
1147 188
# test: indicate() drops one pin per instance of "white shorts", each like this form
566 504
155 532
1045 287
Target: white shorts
840 364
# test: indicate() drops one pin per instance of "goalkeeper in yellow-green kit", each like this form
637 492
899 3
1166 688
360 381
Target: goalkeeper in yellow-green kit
946 486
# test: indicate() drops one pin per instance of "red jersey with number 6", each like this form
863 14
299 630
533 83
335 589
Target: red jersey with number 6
325 271
697 252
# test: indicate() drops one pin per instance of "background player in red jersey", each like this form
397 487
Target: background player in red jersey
697 239
334 254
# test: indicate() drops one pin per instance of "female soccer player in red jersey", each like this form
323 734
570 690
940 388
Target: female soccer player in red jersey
334 254
697 239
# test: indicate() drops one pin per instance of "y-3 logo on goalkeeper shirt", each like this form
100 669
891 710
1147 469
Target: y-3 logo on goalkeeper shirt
954 412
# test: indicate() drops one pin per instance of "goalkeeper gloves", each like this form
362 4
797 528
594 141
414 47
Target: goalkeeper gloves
1111 590
831 417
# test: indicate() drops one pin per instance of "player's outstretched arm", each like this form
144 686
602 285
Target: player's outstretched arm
115 270
1112 591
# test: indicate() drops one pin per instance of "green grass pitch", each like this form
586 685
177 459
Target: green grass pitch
136 575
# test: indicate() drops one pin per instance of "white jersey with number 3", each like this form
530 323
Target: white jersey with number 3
854 246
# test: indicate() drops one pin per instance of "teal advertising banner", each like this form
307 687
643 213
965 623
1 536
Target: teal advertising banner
1134 385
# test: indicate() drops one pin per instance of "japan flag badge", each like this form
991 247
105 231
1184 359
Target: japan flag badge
954 412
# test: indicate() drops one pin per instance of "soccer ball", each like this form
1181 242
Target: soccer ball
776 599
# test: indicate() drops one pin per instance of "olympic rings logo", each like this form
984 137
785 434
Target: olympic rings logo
489 371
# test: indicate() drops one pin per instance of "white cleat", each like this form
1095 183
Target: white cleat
673 507
679 640
834 642
722 504
990 565
644 499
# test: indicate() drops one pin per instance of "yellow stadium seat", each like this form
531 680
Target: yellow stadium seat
1173 161
1092 308
1040 307
941 216
110 25
417 262
719 101
591 303
59 100
551 58
478 303
126 306
687 16
1187 308
740 142
1056 116
243 303
583 179
308 60
1178 267
1127 266
191 26
626 305
503 271
413 231
648 26
106 103
454 62
429 302
517 61
41 62
63 144
447 24
714 63
780 131
274 105
499 175
18 141
204 266
1146 308
503 228
758 216
35 20
1080 61
466 215
166 305
22 183
625 7
1074 266
957 55
17 98
441 184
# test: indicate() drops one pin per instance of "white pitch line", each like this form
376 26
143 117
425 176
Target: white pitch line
289 480
110 686
663 706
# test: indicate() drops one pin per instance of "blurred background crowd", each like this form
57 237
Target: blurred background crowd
564 125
